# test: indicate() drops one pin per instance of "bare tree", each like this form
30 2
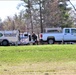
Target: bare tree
15 23
46 13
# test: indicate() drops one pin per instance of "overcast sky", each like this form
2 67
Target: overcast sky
9 7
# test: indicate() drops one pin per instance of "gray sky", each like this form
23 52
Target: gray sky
9 8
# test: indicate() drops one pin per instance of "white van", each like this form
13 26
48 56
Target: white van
25 38
9 37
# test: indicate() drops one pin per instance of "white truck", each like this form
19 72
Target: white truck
66 35
25 38
9 37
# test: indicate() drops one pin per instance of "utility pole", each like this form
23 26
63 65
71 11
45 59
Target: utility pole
30 14
13 25
40 5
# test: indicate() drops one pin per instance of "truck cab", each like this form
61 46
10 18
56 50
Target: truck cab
69 34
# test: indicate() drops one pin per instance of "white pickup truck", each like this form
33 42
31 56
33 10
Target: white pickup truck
66 35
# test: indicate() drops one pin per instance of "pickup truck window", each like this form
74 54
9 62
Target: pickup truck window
67 30
1 34
73 30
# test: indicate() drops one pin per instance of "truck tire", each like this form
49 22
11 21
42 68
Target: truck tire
50 41
5 43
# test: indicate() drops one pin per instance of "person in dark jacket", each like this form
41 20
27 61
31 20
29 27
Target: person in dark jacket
34 37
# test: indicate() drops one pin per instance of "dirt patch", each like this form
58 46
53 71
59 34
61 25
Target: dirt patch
39 68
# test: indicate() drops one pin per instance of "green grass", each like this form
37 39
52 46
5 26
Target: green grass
37 53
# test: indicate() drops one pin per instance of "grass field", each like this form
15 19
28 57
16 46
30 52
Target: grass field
38 60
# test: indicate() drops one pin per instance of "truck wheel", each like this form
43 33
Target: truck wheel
50 41
5 43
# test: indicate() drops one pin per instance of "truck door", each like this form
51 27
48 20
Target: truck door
73 34
67 35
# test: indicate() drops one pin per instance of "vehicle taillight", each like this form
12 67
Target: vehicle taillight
40 35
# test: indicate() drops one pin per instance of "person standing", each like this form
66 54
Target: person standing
34 37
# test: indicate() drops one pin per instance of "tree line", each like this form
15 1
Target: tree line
39 14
